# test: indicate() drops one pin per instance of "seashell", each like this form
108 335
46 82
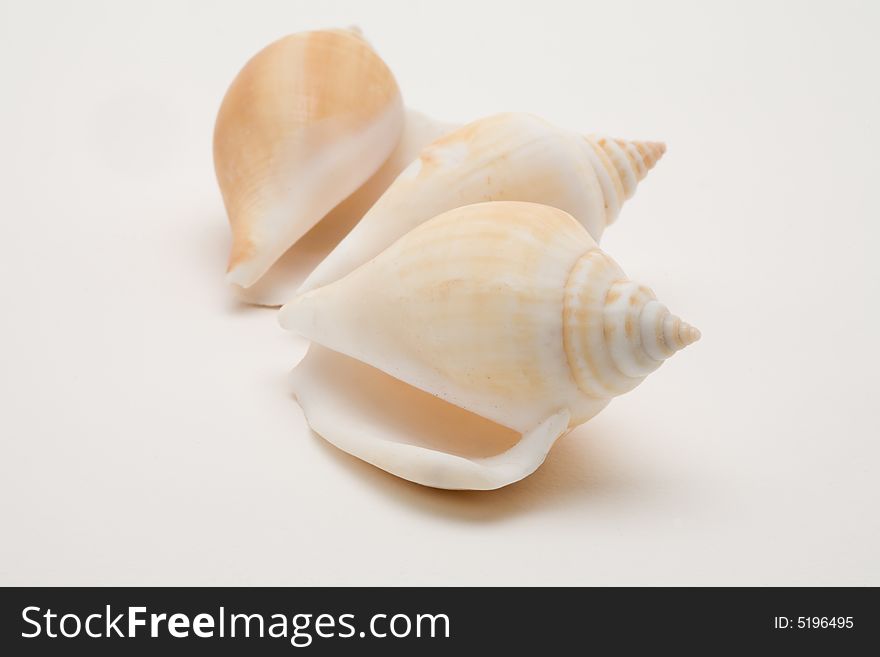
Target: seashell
460 354
506 157
304 124
280 283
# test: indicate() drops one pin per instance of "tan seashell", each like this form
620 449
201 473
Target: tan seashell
304 124
280 283
506 157
506 311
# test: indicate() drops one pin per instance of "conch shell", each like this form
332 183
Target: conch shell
506 157
495 327
304 124
280 283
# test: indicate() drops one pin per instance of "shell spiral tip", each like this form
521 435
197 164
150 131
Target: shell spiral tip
652 151
678 334
688 334
626 163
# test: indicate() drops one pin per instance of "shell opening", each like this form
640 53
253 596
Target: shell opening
384 424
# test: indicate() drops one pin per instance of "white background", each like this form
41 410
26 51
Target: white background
146 430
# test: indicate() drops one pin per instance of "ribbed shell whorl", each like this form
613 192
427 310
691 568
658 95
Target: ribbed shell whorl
615 332
620 166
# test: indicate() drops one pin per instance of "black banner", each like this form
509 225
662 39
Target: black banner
256 621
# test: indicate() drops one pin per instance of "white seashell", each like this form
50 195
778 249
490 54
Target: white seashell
304 124
507 157
504 311
280 283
